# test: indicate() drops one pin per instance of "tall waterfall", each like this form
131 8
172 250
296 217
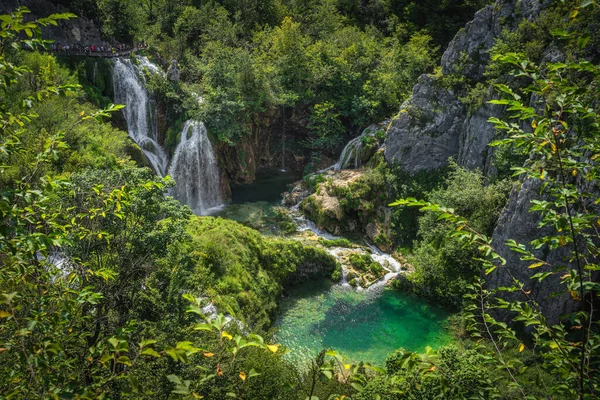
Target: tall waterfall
194 169
140 113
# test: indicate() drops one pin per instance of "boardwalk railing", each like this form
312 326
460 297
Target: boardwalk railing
82 53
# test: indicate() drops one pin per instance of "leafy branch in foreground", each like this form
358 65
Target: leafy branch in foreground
560 129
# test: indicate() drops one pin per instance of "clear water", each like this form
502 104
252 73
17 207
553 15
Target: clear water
364 326
267 187
361 325
256 205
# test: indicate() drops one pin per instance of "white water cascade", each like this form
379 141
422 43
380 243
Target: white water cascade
195 171
350 157
140 114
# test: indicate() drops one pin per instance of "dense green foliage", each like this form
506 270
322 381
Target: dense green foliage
444 267
85 243
325 68
562 138
107 285
241 271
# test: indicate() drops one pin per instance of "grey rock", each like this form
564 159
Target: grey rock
173 73
467 54
427 129
477 133
433 124
517 223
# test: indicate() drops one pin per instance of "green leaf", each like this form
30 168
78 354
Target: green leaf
583 40
253 373
6 298
124 360
150 352
357 386
147 342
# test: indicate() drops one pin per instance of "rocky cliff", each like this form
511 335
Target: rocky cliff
434 125
81 31
517 223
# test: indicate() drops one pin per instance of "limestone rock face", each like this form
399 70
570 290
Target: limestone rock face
517 223
173 73
467 52
433 124
476 134
427 129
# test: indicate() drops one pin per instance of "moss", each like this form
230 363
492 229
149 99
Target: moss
361 262
475 97
336 275
312 181
341 242
383 241
241 270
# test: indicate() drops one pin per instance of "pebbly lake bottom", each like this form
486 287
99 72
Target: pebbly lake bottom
363 326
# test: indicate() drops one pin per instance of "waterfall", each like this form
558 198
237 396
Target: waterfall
194 166
95 73
139 111
350 157
194 169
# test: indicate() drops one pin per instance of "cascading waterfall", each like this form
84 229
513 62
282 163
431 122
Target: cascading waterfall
195 171
95 73
139 111
350 157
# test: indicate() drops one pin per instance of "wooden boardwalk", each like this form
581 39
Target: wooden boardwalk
100 54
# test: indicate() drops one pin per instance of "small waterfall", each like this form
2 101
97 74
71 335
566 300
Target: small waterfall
139 111
95 73
195 171
350 157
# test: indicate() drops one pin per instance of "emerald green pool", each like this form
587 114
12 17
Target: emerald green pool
364 326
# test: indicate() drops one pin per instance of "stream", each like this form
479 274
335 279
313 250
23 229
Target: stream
363 324
358 316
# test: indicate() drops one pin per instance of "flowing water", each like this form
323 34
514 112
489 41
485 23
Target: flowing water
350 157
361 325
194 165
195 171
139 111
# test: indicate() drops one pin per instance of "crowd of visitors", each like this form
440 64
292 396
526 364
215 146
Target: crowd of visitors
94 49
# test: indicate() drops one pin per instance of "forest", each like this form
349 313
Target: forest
286 199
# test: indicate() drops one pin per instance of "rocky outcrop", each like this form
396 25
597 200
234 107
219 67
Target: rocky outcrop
517 223
352 202
426 132
467 53
476 134
433 124
174 73
81 31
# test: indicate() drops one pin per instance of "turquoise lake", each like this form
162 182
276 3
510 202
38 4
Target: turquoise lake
364 326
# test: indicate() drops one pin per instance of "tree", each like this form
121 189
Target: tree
560 132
